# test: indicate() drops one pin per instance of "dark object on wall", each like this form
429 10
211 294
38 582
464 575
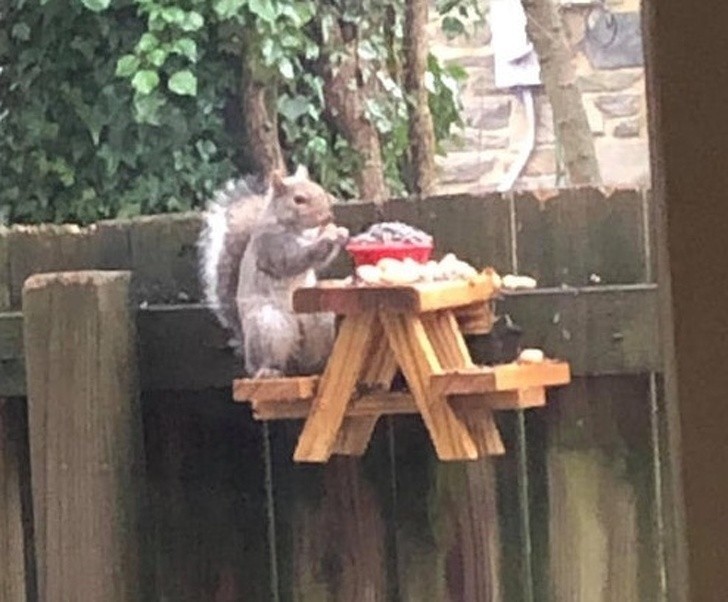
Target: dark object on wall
500 346
613 40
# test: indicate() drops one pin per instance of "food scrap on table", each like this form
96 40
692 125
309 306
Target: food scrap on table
531 356
512 282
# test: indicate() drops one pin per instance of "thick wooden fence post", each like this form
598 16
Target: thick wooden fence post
85 436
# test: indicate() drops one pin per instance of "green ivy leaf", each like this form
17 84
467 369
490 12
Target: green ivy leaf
173 14
285 67
146 108
311 50
264 9
145 81
269 51
158 56
127 65
96 5
226 9
187 47
192 21
299 13
183 83
21 32
206 149
293 108
147 42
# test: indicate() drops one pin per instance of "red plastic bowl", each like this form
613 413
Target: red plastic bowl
370 254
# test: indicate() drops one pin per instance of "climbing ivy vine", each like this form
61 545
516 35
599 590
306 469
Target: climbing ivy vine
120 107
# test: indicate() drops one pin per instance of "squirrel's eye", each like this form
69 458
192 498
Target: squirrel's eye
300 199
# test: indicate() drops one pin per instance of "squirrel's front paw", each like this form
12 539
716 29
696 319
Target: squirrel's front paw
342 235
336 234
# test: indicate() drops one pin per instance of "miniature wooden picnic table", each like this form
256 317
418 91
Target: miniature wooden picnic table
419 330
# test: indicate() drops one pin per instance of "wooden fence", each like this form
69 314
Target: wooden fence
188 499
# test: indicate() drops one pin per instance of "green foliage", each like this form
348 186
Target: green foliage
70 145
456 14
302 108
131 106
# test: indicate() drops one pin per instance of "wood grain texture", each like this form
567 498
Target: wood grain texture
476 319
333 528
503 377
447 528
442 329
373 405
14 572
466 551
207 526
338 382
274 389
378 372
418 361
576 234
598 330
12 458
340 298
596 537
5 282
85 436
623 337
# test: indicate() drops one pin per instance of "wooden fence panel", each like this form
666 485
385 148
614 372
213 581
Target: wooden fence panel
448 533
579 476
15 514
207 525
594 501
85 436
16 568
333 522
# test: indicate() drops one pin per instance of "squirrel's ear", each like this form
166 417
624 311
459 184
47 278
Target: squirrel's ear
276 181
301 173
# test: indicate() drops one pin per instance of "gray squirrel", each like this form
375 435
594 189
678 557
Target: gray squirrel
258 244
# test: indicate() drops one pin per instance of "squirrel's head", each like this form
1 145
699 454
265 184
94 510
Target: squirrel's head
298 201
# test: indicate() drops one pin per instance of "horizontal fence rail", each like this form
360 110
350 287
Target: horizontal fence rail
599 330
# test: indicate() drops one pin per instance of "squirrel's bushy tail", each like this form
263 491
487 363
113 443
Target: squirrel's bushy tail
227 222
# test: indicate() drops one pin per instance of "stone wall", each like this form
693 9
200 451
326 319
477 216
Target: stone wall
495 122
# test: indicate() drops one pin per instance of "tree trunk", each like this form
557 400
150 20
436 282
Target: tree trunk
260 119
421 129
557 73
344 97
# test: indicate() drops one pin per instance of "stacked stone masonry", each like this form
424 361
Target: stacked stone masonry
495 123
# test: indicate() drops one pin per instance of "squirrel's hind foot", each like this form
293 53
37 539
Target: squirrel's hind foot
268 373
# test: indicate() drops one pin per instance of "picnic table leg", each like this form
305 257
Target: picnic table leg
338 382
378 371
417 358
444 332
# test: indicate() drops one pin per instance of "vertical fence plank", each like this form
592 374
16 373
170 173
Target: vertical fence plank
207 498
13 452
591 461
594 463
46 248
448 535
85 436
12 532
452 519
332 523
581 237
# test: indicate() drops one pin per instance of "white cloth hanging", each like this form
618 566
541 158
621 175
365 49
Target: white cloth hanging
516 61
